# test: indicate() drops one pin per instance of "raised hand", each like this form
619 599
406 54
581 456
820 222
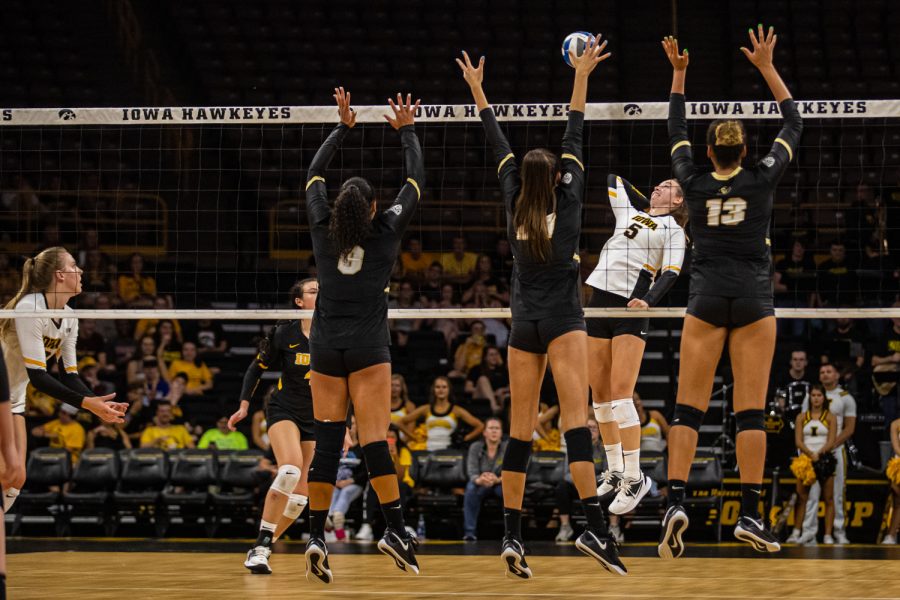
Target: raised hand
763 47
591 56
347 114
473 75
404 114
678 59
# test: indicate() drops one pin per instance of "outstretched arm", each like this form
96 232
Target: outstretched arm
411 192
316 198
584 65
682 156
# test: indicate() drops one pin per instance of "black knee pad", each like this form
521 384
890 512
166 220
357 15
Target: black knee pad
327 457
688 416
751 420
516 456
578 445
378 459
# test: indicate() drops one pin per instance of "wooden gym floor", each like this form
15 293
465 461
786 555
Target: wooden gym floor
141 569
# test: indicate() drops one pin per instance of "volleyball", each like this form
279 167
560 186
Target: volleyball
574 44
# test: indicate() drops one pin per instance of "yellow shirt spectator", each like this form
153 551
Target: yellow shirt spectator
169 437
455 267
63 432
131 288
198 377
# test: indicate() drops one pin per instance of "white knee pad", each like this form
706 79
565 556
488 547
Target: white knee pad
9 497
287 479
603 412
625 414
295 505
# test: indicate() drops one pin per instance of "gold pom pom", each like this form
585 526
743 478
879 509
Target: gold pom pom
802 468
893 470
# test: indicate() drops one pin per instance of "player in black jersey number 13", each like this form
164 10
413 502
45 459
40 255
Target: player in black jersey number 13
731 289
544 200
355 248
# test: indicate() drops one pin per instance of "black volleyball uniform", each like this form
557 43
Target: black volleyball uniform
731 274
286 349
350 328
545 298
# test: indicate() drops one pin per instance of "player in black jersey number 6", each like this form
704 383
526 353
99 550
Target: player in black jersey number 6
543 225
289 417
731 289
355 247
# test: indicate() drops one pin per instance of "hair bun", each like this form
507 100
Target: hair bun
729 133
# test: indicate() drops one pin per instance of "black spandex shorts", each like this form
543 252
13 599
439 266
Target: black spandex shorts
535 336
729 312
340 363
608 328
300 415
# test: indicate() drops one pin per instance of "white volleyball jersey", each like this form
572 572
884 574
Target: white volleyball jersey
815 431
35 343
640 247
840 403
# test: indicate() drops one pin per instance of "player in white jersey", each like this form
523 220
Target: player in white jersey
648 242
30 345
843 406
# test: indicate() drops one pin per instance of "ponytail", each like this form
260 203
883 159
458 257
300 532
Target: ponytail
350 222
37 276
539 170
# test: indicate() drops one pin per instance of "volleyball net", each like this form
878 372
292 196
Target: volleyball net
207 202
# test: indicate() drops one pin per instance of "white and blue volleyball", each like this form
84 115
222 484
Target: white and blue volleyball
574 44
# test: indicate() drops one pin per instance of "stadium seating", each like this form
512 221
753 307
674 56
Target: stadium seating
47 470
186 495
90 491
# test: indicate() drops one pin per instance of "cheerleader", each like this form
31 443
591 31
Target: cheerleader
893 472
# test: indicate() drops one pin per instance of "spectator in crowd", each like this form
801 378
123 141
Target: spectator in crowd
565 489
199 376
886 369
108 435
139 411
106 327
402 458
89 371
843 345
259 430
795 278
494 287
796 381
351 480
497 327
401 328
503 258
398 276
63 432
448 327
415 262
21 198
134 370
546 436
401 405
483 467
99 273
469 353
814 434
843 406
10 279
123 348
177 392
210 337
162 433
837 281
441 417
222 438
489 380
92 344
654 427
168 341
152 326
431 288
893 472
459 265
876 274
134 284
155 387
312 271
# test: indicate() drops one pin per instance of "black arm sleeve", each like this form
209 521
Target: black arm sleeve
45 383
4 381
316 198
776 161
507 169
572 141
638 200
660 288
268 355
679 143
411 192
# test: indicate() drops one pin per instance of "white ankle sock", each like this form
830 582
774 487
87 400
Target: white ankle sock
632 463
614 457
